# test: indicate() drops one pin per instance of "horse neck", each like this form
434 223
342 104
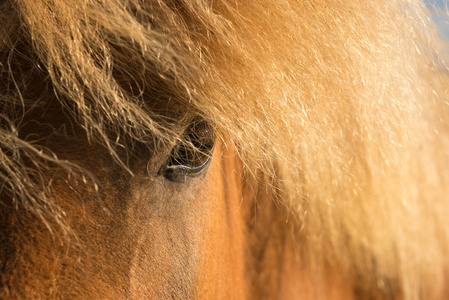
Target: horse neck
275 266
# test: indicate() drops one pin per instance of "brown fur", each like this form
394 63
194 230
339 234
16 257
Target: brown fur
330 179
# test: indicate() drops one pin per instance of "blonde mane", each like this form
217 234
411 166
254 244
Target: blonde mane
338 103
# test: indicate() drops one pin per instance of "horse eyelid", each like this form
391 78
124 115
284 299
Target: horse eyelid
191 159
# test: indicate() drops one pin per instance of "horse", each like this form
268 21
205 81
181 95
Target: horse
186 149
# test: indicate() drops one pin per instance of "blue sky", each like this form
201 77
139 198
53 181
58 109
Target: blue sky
439 3
441 20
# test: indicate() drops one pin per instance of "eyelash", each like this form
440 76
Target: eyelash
192 155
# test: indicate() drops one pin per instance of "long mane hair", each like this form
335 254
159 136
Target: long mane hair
336 106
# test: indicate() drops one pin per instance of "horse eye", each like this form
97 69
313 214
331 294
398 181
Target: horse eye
191 156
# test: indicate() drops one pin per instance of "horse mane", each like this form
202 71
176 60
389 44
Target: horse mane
340 105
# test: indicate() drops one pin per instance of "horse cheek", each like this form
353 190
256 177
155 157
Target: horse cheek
221 270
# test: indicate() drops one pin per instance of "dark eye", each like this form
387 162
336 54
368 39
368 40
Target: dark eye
192 155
